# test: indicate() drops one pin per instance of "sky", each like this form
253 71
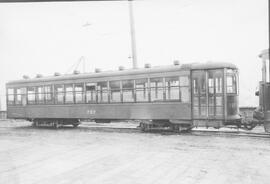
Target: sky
43 38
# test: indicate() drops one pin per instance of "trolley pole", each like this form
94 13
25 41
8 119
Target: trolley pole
132 33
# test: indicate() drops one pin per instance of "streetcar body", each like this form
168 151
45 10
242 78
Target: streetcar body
189 94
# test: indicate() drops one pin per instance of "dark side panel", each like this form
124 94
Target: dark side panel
175 110
232 107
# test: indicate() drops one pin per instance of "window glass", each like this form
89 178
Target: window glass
59 94
142 90
219 85
102 91
48 94
172 88
211 85
20 96
128 91
40 94
215 81
69 93
115 95
90 92
78 88
231 84
195 86
31 95
10 96
18 99
156 89
172 81
199 82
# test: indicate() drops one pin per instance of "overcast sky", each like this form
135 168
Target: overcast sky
50 37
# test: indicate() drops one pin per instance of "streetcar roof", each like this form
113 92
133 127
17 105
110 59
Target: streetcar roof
155 69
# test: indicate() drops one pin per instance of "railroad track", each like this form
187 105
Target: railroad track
196 132
230 133
164 131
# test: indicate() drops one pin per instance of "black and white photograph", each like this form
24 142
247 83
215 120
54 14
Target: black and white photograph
134 92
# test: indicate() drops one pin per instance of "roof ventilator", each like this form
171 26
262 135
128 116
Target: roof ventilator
121 68
76 72
39 76
57 74
25 77
97 70
176 63
147 65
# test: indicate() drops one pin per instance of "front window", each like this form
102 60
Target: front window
232 81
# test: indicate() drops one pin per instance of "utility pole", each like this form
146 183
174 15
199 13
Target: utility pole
132 33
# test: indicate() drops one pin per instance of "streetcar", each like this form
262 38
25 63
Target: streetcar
177 96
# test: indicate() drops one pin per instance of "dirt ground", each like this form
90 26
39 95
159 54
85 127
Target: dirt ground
117 154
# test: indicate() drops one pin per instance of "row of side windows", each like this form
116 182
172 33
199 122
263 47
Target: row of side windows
141 90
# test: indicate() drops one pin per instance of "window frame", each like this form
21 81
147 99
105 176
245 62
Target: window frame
128 89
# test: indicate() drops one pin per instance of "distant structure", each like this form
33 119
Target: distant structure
3 114
264 55
264 92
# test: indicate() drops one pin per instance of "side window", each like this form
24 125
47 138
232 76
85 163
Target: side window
115 93
172 88
69 98
59 94
10 97
18 99
142 90
20 96
48 94
31 95
40 95
102 91
156 88
90 89
184 89
79 95
128 91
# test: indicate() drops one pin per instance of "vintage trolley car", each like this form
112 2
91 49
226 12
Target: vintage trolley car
176 96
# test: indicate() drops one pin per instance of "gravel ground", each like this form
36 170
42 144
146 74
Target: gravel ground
117 154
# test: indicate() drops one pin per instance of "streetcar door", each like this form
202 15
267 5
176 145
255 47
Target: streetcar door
199 95
215 94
